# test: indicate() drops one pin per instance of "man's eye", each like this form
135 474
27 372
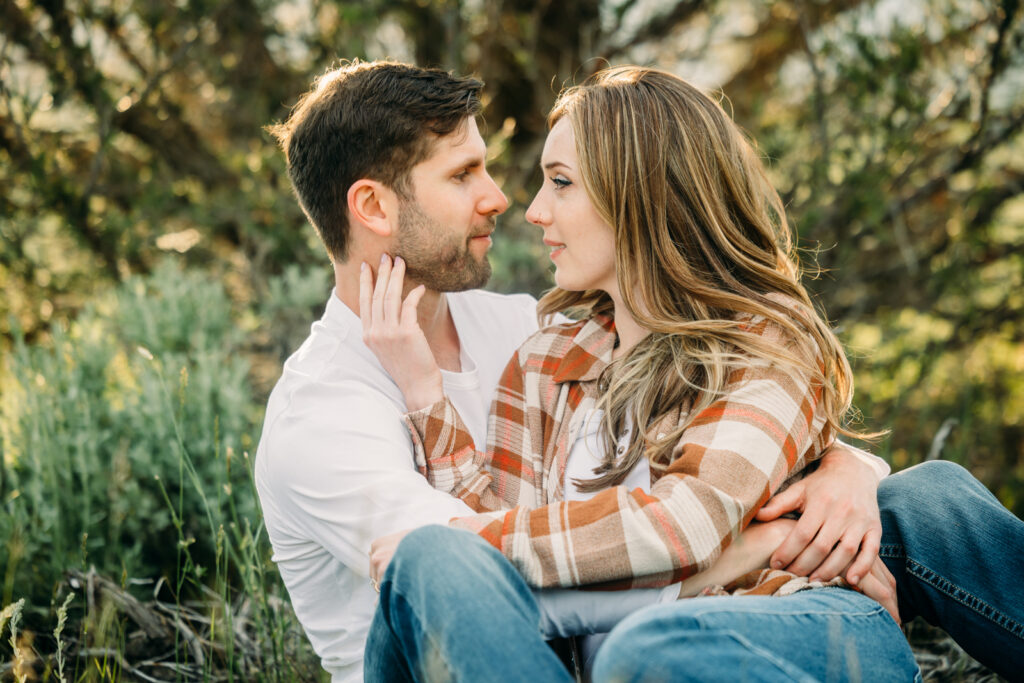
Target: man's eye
461 176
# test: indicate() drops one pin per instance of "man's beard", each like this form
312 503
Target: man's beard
435 257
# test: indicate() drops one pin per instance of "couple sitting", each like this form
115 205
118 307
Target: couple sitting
631 451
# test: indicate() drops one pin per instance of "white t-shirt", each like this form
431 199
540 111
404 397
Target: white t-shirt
335 470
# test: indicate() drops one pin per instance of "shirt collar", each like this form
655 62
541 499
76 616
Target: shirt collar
589 353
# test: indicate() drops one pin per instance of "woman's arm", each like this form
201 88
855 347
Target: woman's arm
499 479
567 612
733 456
443 447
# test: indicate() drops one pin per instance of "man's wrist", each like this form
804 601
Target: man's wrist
880 468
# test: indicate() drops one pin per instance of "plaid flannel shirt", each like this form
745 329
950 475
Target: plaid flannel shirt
732 457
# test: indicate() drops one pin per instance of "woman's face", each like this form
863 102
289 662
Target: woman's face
582 243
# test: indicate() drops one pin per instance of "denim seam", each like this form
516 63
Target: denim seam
767 654
969 600
432 641
782 665
828 612
892 551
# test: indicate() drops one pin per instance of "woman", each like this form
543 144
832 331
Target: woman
668 238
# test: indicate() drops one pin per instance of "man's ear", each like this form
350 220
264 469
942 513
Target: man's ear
372 204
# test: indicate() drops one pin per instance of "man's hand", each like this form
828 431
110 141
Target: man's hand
839 530
381 552
879 585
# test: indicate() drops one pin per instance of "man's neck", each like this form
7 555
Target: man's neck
433 313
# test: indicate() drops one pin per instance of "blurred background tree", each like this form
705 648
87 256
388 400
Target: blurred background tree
131 133
130 128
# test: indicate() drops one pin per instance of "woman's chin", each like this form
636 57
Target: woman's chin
567 283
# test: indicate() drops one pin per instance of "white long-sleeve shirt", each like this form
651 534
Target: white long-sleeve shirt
335 469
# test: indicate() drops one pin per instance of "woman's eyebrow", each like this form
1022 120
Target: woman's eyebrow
551 164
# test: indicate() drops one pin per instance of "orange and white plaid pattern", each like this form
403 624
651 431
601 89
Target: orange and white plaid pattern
768 425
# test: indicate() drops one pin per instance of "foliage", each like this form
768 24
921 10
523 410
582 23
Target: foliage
125 446
114 415
904 168
131 132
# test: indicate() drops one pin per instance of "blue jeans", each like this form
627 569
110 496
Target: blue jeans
958 558
453 608
956 552
957 555
824 634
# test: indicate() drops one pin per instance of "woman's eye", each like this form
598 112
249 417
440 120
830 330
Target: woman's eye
561 182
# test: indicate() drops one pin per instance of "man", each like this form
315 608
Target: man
383 157
387 158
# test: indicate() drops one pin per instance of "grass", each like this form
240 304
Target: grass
133 544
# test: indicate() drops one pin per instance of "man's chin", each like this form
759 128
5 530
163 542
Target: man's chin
448 279
475 280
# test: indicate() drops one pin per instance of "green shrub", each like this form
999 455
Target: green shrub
125 440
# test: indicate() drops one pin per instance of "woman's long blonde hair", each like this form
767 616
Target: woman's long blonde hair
702 244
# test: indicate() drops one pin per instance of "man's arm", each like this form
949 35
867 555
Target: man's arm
348 479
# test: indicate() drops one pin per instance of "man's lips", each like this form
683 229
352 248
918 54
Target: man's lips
489 227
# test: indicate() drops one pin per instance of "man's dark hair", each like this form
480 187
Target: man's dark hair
367 120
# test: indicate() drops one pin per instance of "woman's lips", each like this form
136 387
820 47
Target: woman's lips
556 248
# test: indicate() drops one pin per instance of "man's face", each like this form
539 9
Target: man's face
444 228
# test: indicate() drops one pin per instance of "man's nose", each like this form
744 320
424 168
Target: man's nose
495 202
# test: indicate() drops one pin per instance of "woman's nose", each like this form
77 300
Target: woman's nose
535 214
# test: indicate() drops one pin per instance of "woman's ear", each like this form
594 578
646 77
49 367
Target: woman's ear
371 204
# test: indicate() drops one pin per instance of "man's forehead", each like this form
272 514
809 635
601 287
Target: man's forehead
463 142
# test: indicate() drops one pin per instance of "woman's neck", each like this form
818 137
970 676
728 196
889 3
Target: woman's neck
629 330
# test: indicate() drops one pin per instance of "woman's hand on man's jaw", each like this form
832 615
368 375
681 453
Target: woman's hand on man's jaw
392 331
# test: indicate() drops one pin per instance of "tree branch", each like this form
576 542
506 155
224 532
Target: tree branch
657 27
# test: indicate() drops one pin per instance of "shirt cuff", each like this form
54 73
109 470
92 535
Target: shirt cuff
881 467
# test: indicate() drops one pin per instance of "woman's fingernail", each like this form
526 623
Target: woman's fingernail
362 266
777 564
398 259
383 258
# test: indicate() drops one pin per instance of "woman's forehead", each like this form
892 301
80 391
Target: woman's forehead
560 146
